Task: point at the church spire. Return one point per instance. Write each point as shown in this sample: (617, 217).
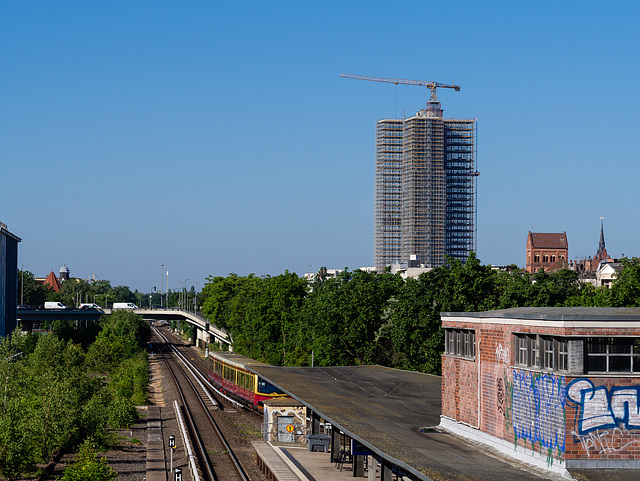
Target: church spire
(601, 248)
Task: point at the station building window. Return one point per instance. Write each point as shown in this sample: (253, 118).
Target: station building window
(546, 352)
(613, 354)
(460, 342)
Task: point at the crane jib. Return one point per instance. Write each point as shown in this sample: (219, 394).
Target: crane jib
(396, 81)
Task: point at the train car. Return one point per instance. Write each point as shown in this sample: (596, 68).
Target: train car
(230, 372)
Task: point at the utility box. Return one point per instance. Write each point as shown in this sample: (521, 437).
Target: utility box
(318, 442)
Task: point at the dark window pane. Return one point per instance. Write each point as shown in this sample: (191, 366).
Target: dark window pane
(597, 364)
(596, 345)
(620, 346)
(636, 363)
(619, 363)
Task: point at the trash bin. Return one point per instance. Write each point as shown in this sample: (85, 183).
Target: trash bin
(318, 442)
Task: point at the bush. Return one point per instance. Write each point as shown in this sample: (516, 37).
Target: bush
(131, 379)
(87, 466)
(122, 413)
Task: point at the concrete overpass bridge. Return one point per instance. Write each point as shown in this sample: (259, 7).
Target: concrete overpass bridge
(204, 331)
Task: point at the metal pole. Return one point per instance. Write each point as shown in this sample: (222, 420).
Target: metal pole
(195, 300)
(161, 283)
(184, 298)
(22, 288)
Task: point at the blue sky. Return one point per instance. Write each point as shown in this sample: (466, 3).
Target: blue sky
(216, 137)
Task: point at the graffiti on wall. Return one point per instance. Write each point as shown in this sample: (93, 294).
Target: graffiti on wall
(499, 374)
(602, 408)
(538, 408)
(603, 442)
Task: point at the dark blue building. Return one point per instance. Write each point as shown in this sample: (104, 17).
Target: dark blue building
(8, 280)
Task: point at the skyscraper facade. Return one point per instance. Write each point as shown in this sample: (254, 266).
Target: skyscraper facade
(8, 280)
(425, 202)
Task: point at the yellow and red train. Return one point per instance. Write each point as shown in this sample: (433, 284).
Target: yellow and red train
(230, 372)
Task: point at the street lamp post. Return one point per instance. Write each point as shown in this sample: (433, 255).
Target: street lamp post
(186, 304)
(161, 285)
(195, 300)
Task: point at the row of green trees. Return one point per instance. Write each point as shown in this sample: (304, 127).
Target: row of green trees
(77, 291)
(54, 394)
(367, 318)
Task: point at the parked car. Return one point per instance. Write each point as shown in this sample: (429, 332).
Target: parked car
(89, 306)
(54, 305)
(24, 306)
(124, 305)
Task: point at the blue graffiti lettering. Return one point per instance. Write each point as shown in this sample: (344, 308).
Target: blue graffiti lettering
(538, 408)
(599, 408)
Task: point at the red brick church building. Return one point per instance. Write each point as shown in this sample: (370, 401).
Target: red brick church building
(548, 251)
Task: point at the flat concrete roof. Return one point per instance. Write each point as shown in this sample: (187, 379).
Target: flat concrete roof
(596, 314)
(387, 410)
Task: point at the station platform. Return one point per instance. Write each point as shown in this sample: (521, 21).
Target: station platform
(296, 463)
(156, 470)
(396, 415)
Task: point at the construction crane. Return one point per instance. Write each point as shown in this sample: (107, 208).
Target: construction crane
(424, 83)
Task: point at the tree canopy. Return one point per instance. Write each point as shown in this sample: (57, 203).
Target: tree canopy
(363, 317)
(53, 395)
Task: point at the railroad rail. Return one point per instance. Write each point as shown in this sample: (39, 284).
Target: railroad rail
(197, 405)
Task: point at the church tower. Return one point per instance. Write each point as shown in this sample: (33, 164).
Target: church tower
(601, 255)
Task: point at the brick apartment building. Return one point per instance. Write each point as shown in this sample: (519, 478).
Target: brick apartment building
(548, 251)
(556, 387)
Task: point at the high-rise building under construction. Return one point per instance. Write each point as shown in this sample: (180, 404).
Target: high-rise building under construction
(425, 191)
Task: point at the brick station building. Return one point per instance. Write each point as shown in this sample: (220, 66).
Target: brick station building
(555, 387)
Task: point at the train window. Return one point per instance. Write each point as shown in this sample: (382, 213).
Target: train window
(242, 379)
(247, 382)
(265, 387)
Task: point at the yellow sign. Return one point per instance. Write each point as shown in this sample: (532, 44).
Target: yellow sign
(290, 428)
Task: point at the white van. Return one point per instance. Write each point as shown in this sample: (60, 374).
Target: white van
(54, 305)
(124, 305)
(89, 306)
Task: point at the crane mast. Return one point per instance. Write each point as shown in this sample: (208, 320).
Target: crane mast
(424, 83)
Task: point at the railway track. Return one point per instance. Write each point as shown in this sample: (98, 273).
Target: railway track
(213, 454)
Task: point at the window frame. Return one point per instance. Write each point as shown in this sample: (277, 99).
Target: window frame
(541, 352)
(460, 343)
(610, 353)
